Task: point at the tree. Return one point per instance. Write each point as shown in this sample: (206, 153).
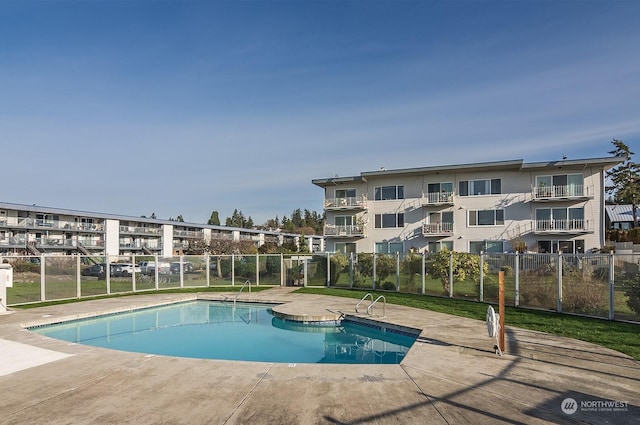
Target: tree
(214, 220)
(465, 266)
(625, 179)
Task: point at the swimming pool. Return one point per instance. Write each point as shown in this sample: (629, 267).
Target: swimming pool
(246, 331)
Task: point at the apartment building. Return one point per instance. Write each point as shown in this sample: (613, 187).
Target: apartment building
(505, 206)
(36, 230)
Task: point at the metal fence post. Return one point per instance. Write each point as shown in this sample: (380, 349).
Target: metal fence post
(397, 272)
(328, 270)
(516, 271)
(207, 273)
(451, 274)
(107, 272)
(612, 307)
(559, 277)
(374, 271)
(423, 273)
(79, 278)
(43, 279)
(481, 295)
(258, 270)
(133, 273)
(351, 270)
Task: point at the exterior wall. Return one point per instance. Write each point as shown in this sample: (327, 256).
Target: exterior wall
(112, 237)
(517, 199)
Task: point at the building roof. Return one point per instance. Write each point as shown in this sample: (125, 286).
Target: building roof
(515, 164)
(619, 213)
(62, 211)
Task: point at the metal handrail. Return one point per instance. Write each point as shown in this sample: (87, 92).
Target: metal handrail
(384, 306)
(364, 298)
(247, 282)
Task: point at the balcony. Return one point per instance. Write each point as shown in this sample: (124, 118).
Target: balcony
(437, 198)
(575, 192)
(132, 230)
(46, 224)
(562, 227)
(191, 234)
(343, 204)
(334, 231)
(437, 229)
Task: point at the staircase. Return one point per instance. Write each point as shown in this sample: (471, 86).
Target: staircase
(31, 247)
(146, 250)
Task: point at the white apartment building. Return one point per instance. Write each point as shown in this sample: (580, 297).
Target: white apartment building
(554, 206)
(36, 230)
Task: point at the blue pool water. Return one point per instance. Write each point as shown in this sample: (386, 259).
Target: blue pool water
(250, 332)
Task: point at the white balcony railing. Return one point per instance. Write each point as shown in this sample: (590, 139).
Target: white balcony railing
(437, 198)
(344, 231)
(563, 226)
(353, 202)
(437, 228)
(48, 224)
(563, 191)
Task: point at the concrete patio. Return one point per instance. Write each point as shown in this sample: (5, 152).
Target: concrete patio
(450, 376)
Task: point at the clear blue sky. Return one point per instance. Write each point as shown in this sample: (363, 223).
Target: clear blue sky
(185, 107)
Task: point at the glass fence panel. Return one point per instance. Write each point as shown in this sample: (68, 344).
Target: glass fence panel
(585, 286)
(93, 276)
(26, 280)
(363, 271)
(626, 293)
(220, 270)
(270, 266)
(538, 281)
(194, 270)
(317, 270)
(411, 273)
(339, 275)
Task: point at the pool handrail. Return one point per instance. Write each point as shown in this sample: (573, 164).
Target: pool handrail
(247, 282)
(364, 298)
(384, 306)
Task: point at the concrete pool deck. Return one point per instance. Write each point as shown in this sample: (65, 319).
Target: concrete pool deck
(450, 376)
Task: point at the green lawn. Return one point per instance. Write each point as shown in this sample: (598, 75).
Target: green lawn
(622, 337)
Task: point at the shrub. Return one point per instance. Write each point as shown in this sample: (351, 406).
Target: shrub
(389, 286)
(633, 292)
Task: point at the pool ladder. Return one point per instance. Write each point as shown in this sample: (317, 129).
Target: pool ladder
(373, 302)
(246, 283)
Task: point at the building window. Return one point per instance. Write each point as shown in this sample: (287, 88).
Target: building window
(385, 193)
(566, 247)
(439, 192)
(486, 218)
(477, 247)
(389, 247)
(439, 246)
(344, 220)
(480, 187)
(345, 247)
(560, 218)
(387, 221)
(559, 185)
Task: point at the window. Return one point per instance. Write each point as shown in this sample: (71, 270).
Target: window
(560, 185)
(385, 193)
(345, 193)
(566, 247)
(439, 246)
(385, 221)
(345, 247)
(389, 247)
(486, 218)
(559, 218)
(480, 187)
(344, 220)
(439, 192)
(486, 246)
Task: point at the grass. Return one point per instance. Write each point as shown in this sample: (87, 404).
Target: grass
(133, 294)
(619, 336)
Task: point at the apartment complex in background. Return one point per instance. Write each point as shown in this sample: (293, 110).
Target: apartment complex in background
(36, 230)
(505, 206)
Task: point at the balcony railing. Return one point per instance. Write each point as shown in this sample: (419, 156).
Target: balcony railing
(437, 198)
(188, 234)
(563, 226)
(437, 228)
(349, 203)
(562, 192)
(46, 224)
(140, 230)
(333, 230)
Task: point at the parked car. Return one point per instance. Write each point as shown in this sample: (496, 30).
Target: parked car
(124, 269)
(149, 267)
(99, 270)
(187, 267)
